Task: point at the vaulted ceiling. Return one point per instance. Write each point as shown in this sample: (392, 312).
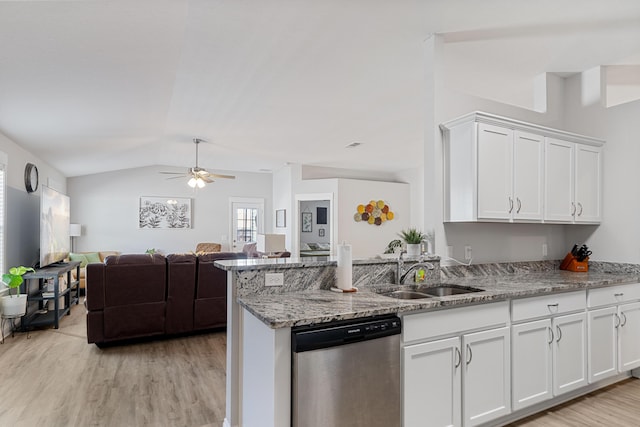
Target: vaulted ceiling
(93, 86)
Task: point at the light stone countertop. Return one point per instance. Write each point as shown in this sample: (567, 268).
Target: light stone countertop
(319, 306)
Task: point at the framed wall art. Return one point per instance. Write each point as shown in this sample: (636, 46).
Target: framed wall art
(281, 218)
(306, 222)
(164, 212)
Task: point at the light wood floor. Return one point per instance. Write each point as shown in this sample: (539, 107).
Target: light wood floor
(617, 405)
(54, 378)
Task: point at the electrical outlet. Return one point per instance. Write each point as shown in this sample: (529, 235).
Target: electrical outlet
(274, 279)
(450, 251)
(545, 249)
(467, 252)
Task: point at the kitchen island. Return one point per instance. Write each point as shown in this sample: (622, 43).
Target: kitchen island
(262, 386)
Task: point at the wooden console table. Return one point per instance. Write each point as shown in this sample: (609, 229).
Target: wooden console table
(71, 294)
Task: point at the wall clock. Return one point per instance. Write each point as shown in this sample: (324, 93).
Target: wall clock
(30, 177)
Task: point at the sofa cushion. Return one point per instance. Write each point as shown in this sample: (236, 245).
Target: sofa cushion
(92, 257)
(79, 257)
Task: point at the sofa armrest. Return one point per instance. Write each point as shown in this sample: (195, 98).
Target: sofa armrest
(94, 286)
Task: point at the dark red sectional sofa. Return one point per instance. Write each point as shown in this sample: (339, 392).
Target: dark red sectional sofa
(141, 295)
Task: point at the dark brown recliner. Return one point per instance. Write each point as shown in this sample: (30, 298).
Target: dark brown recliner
(210, 310)
(126, 297)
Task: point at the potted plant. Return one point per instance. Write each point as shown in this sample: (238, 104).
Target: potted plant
(14, 305)
(413, 238)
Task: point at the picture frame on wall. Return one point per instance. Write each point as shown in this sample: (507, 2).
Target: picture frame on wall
(164, 212)
(306, 222)
(281, 218)
(321, 215)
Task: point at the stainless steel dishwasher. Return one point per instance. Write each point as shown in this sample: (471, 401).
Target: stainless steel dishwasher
(347, 374)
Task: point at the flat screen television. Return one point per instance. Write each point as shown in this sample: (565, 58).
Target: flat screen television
(55, 216)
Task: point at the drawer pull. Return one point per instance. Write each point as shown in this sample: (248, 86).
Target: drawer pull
(550, 336)
(459, 358)
(470, 354)
(624, 316)
(553, 308)
(510, 205)
(617, 325)
(559, 333)
(618, 295)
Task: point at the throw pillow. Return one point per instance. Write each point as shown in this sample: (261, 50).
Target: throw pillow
(92, 257)
(79, 257)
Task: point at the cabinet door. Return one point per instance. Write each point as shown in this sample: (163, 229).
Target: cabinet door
(528, 158)
(559, 184)
(569, 353)
(495, 172)
(432, 384)
(588, 190)
(486, 382)
(531, 363)
(602, 349)
(629, 337)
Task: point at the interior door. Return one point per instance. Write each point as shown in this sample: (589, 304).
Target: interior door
(247, 221)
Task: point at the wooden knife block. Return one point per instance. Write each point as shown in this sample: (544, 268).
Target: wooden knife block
(570, 263)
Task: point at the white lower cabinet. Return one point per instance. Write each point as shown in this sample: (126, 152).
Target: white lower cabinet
(614, 340)
(432, 383)
(459, 380)
(486, 379)
(549, 358)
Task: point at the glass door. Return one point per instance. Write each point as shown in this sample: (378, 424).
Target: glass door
(247, 222)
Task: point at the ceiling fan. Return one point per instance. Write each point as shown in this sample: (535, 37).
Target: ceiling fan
(198, 176)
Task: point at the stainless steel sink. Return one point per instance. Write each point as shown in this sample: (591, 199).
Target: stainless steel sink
(448, 290)
(404, 294)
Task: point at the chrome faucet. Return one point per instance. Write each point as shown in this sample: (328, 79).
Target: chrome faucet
(402, 275)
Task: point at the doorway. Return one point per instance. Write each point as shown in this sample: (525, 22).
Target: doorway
(313, 226)
(247, 221)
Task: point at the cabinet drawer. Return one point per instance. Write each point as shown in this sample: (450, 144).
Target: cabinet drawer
(613, 295)
(547, 305)
(432, 324)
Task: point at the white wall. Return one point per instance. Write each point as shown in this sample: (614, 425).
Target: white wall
(489, 242)
(283, 199)
(369, 240)
(107, 207)
(617, 238)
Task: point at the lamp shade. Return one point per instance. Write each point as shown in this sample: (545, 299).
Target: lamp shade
(75, 230)
(270, 243)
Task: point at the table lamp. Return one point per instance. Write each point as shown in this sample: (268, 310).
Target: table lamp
(270, 243)
(75, 230)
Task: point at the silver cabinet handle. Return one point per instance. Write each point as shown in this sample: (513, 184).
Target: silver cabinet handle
(573, 209)
(550, 336)
(580, 206)
(559, 333)
(617, 325)
(551, 307)
(620, 294)
(624, 316)
(510, 204)
(459, 357)
(470, 354)
(519, 205)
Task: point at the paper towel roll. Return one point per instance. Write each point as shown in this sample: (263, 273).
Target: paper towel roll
(344, 270)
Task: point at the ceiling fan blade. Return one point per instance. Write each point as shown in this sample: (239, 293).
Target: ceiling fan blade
(173, 173)
(215, 175)
(178, 177)
(207, 180)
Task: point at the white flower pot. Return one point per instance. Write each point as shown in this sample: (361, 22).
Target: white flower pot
(14, 305)
(413, 249)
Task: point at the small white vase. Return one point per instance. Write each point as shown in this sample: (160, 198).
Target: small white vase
(13, 306)
(413, 249)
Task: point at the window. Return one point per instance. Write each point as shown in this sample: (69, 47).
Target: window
(247, 225)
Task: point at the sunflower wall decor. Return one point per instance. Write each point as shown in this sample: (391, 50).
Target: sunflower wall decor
(375, 213)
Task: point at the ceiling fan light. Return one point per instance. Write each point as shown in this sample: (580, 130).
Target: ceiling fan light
(192, 183)
(200, 182)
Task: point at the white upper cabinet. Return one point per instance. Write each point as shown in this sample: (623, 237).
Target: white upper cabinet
(503, 170)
